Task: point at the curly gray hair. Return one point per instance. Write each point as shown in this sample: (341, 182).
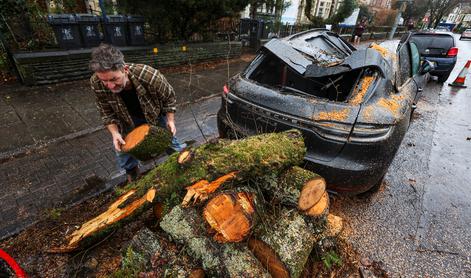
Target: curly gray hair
(106, 58)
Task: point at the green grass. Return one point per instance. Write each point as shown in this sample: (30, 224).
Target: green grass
(330, 259)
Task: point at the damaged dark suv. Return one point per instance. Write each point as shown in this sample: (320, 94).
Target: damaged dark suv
(352, 106)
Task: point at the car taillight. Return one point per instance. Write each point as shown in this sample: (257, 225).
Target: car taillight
(225, 90)
(452, 52)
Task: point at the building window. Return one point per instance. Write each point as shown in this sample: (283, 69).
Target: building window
(322, 4)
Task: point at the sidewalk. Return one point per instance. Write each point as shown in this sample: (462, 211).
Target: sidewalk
(55, 152)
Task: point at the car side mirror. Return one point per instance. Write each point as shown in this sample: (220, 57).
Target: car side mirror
(426, 66)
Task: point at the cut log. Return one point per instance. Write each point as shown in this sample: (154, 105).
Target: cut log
(185, 157)
(311, 193)
(148, 255)
(268, 258)
(136, 256)
(290, 236)
(230, 215)
(249, 157)
(295, 187)
(147, 141)
(321, 209)
(187, 226)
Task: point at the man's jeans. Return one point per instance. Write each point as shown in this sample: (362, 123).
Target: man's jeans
(128, 162)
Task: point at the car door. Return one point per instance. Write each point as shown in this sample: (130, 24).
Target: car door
(405, 82)
(416, 62)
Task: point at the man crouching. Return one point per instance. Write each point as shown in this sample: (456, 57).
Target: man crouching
(129, 95)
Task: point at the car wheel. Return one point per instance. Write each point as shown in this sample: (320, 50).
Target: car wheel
(444, 77)
(375, 188)
(461, 38)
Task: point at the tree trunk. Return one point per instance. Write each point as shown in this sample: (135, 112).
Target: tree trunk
(146, 141)
(296, 187)
(268, 258)
(221, 260)
(291, 238)
(250, 157)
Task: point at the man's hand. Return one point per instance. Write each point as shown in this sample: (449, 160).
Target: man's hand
(117, 141)
(171, 123)
(117, 138)
(172, 128)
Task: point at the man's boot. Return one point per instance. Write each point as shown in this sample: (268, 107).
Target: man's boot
(132, 174)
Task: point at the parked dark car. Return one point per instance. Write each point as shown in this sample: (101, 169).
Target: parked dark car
(352, 106)
(440, 49)
(466, 34)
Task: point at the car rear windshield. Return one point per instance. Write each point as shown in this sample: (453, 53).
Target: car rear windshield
(273, 72)
(433, 44)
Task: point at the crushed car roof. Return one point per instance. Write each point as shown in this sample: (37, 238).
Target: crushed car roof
(319, 52)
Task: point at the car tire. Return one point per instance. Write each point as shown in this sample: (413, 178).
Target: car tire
(461, 38)
(444, 77)
(375, 188)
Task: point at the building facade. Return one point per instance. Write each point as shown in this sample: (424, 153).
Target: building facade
(320, 8)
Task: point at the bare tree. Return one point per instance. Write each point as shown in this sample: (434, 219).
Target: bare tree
(439, 8)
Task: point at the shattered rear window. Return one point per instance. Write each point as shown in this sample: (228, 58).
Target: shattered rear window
(322, 49)
(273, 72)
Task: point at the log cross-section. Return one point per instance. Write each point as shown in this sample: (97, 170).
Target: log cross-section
(147, 141)
(230, 215)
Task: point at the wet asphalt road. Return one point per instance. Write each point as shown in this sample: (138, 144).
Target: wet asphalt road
(419, 223)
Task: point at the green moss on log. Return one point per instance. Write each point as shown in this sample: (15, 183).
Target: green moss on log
(221, 260)
(252, 156)
(290, 237)
(286, 187)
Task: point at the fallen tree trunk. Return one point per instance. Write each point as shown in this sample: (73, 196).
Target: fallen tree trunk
(295, 187)
(147, 141)
(221, 260)
(268, 258)
(290, 237)
(253, 156)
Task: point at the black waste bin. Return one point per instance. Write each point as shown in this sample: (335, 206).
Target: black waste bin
(89, 30)
(66, 30)
(136, 30)
(115, 30)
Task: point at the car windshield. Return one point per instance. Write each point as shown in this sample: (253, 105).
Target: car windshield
(467, 30)
(433, 44)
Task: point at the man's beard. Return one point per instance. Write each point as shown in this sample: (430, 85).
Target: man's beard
(119, 89)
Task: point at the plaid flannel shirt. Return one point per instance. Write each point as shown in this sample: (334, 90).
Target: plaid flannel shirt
(155, 95)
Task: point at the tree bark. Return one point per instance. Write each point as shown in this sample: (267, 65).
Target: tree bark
(221, 260)
(295, 187)
(288, 234)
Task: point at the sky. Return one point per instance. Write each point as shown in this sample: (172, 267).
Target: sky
(290, 14)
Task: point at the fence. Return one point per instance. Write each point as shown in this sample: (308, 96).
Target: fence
(23, 34)
(290, 29)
